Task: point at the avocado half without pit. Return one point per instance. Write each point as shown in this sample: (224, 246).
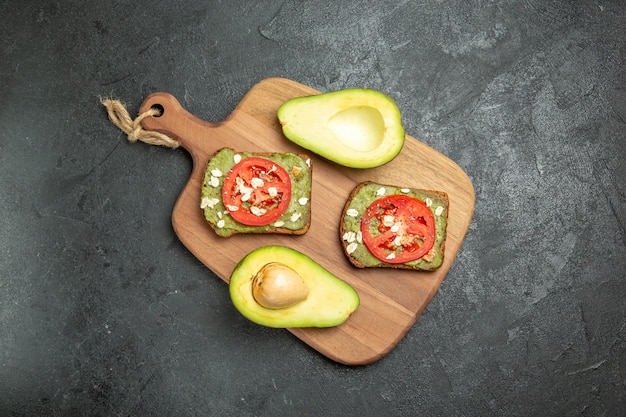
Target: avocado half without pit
(358, 127)
(275, 286)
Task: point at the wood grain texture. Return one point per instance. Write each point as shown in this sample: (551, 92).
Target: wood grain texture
(391, 300)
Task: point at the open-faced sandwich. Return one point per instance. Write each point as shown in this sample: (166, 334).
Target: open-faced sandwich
(246, 192)
(394, 227)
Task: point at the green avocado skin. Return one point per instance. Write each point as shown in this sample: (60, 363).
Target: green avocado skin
(369, 192)
(330, 302)
(295, 219)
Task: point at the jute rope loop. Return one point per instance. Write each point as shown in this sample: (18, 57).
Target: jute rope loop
(120, 117)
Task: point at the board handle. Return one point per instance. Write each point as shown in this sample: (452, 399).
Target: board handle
(174, 121)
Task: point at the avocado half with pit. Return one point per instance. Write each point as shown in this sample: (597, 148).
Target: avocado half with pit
(357, 127)
(276, 286)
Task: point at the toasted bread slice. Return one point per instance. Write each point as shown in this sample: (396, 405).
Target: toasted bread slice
(365, 194)
(295, 220)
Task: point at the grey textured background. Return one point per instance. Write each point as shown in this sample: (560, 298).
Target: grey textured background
(104, 312)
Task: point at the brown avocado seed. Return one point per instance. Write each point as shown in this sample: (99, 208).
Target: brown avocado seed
(277, 286)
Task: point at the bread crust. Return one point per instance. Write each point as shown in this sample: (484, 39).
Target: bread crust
(443, 196)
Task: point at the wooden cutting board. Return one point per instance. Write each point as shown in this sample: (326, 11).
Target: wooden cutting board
(391, 300)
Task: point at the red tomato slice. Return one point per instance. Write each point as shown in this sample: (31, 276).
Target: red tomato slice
(398, 229)
(256, 191)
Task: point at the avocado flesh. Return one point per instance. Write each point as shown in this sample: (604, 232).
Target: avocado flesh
(358, 128)
(330, 301)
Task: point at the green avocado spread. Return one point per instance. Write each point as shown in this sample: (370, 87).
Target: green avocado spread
(295, 219)
(368, 193)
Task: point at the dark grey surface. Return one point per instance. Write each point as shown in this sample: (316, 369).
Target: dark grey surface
(104, 312)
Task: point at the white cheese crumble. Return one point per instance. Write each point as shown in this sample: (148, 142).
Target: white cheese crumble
(256, 182)
(214, 181)
(257, 211)
(381, 191)
(428, 202)
(279, 223)
(349, 237)
(272, 191)
(243, 189)
(391, 256)
(232, 208)
(388, 220)
(359, 236)
(352, 247)
(221, 223)
(394, 228)
(237, 158)
(439, 211)
(208, 202)
(405, 190)
(240, 183)
(302, 201)
(352, 212)
(216, 173)
(295, 217)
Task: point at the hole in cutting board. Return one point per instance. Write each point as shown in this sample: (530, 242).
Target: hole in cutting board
(158, 107)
